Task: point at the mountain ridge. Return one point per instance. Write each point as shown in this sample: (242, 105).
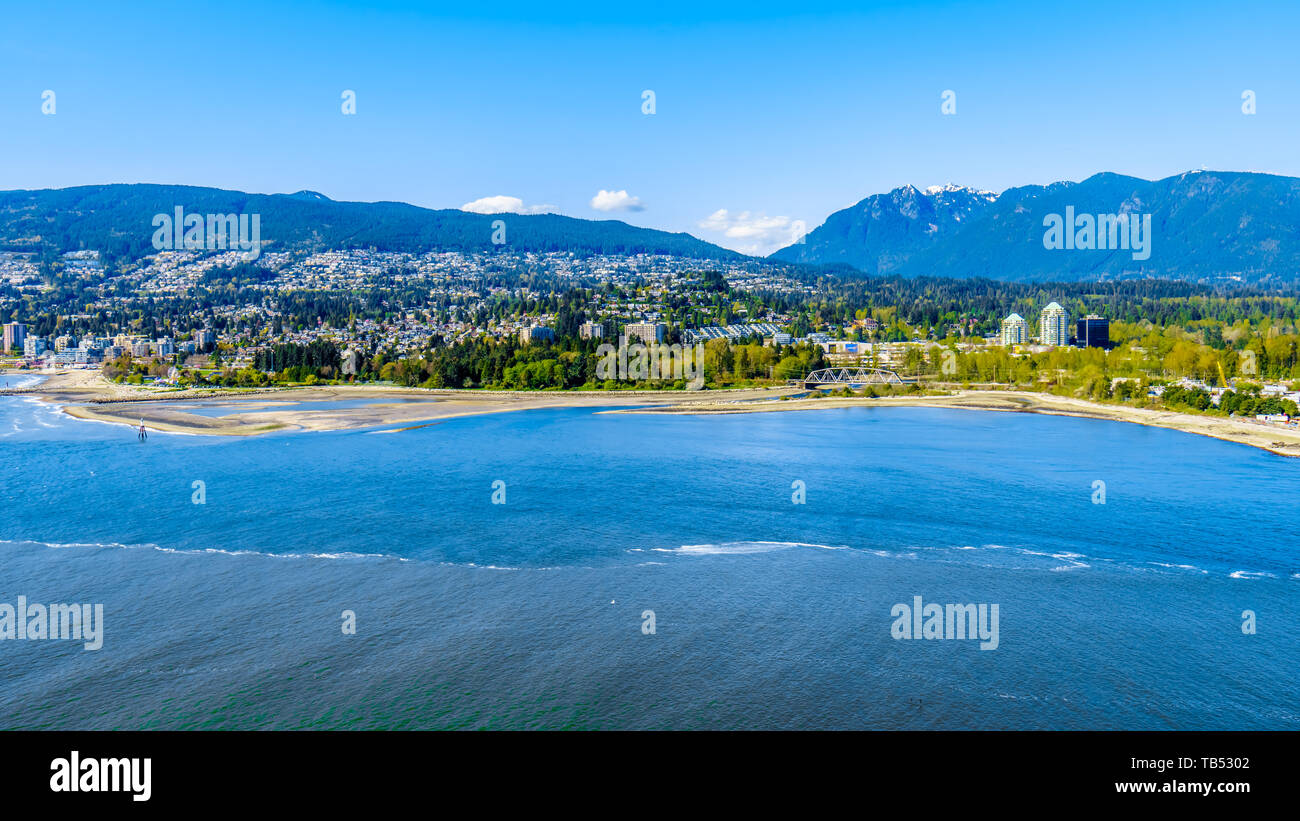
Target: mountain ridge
(116, 219)
(1207, 225)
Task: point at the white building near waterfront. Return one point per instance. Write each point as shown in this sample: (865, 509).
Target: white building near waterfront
(1054, 325)
(1015, 331)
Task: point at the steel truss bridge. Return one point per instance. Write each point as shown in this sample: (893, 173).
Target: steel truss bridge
(852, 376)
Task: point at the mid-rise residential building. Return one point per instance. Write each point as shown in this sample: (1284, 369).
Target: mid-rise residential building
(536, 333)
(14, 335)
(732, 333)
(591, 330)
(1015, 331)
(647, 332)
(1054, 325)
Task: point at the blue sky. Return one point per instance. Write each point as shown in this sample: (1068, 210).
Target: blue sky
(767, 112)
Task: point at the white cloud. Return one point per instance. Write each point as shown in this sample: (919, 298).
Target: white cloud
(616, 201)
(505, 205)
(753, 232)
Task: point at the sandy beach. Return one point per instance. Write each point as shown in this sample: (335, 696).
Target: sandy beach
(386, 409)
(236, 412)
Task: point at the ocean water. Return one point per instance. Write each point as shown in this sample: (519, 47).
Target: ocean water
(767, 613)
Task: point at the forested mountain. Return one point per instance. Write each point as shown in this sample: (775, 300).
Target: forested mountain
(1210, 227)
(1205, 226)
(117, 221)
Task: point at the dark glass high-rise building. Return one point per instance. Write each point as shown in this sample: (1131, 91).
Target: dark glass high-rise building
(1092, 331)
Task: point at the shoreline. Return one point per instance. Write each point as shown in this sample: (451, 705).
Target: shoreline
(1280, 441)
(87, 395)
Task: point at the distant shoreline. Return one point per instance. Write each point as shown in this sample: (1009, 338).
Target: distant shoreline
(1282, 441)
(87, 395)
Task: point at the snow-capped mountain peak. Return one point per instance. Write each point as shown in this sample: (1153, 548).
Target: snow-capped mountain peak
(950, 188)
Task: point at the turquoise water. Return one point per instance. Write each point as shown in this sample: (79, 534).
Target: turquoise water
(768, 614)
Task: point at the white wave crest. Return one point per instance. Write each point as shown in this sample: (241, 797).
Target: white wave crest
(741, 548)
